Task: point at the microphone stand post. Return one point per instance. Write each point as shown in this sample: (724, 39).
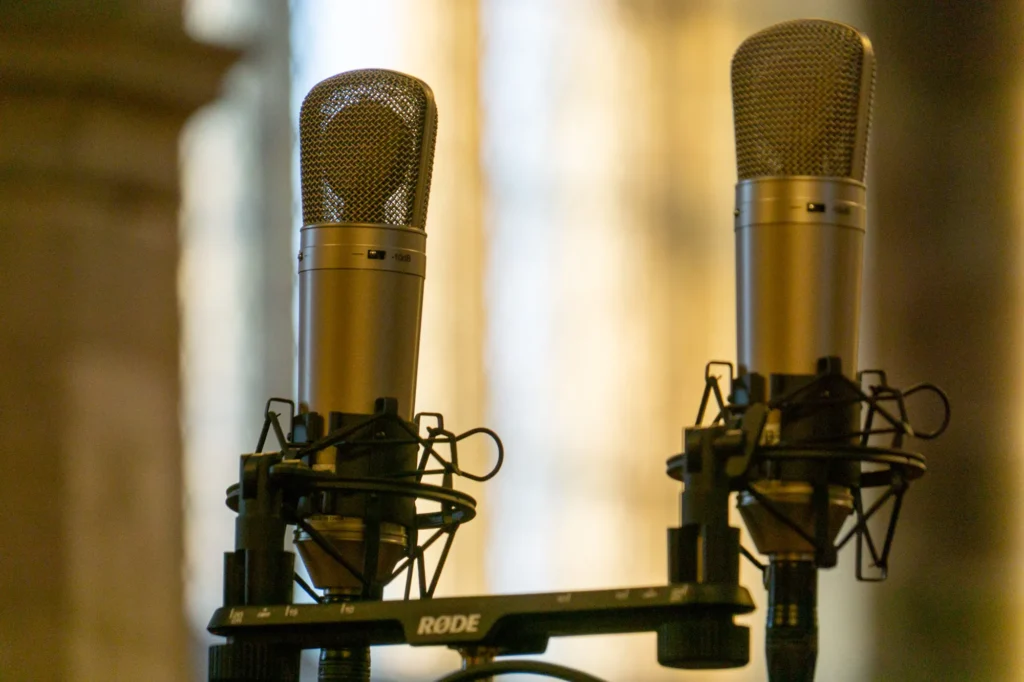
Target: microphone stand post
(258, 573)
(705, 549)
(473, 656)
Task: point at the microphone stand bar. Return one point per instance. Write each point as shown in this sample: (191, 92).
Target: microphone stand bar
(505, 624)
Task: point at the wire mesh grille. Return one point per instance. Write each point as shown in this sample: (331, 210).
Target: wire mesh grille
(797, 101)
(366, 142)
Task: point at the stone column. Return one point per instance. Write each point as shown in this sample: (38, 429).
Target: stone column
(91, 104)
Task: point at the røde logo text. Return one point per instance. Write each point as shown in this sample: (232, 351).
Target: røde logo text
(449, 624)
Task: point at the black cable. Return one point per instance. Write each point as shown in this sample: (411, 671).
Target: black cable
(484, 670)
(448, 438)
(306, 587)
(947, 414)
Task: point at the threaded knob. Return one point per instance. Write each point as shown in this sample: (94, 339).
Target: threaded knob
(704, 642)
(253, 662)
(351, 664)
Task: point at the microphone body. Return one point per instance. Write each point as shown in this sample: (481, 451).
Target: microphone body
(360, 302)
(802, 95)
(799, 257)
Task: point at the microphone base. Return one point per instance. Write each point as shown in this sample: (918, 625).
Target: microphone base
(792, 659)
(791, 636)
(351, 664)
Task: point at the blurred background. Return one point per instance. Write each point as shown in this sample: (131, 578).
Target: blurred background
(581, 276)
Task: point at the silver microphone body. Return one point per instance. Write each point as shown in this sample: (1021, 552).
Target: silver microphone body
(360, 304)
(799, 257)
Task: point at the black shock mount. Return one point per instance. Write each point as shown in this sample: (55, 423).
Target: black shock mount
(816, 435)
(693, 614)
(809, 464)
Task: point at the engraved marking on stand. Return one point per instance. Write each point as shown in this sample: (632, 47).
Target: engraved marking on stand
(449, 624)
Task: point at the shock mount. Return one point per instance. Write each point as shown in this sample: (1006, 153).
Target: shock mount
(784, 450)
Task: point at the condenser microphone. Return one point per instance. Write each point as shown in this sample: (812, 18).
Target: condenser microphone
(366, 149)
(802, 94)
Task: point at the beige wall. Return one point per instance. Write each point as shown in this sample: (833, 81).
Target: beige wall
(945, 305)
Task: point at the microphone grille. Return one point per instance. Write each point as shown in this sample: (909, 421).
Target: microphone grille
(366, 145)
(802, 94)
